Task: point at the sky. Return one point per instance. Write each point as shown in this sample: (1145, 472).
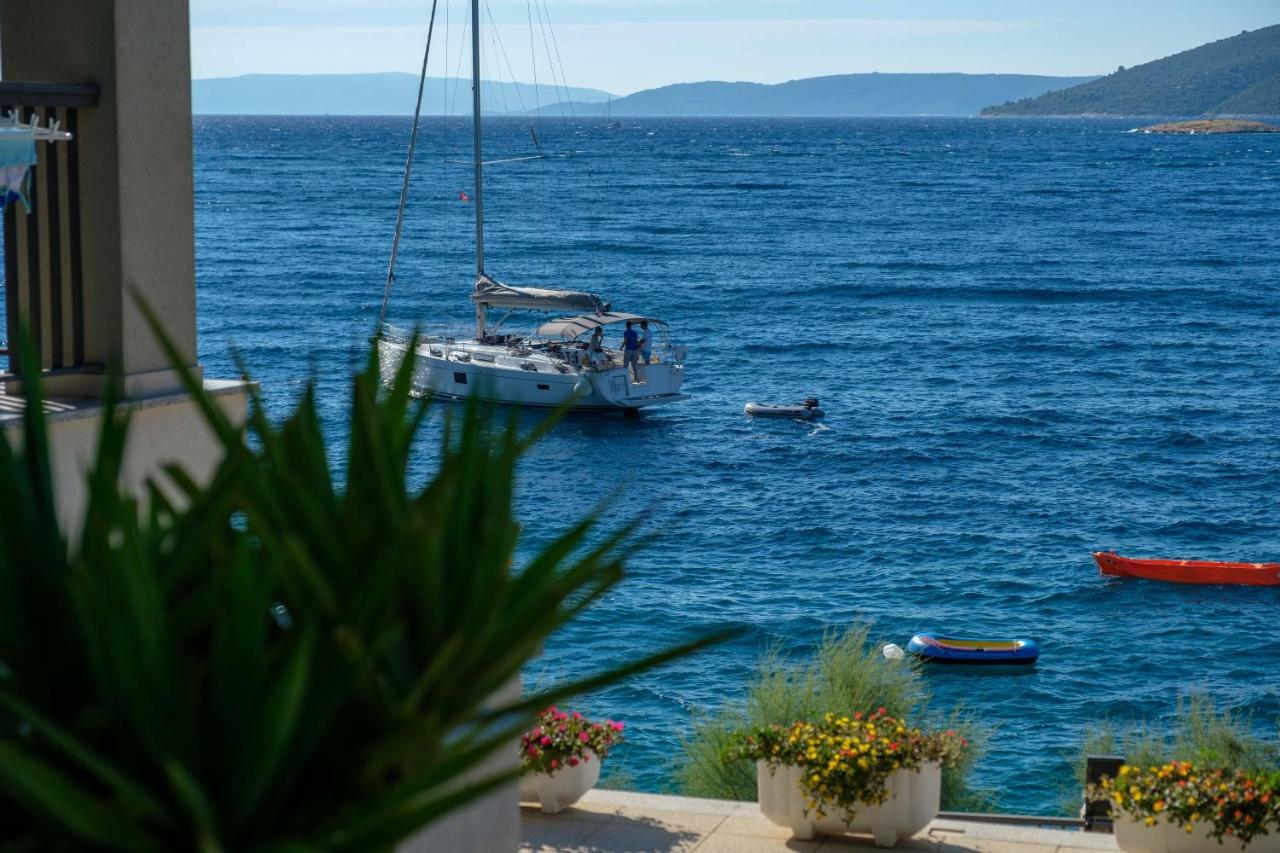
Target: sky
(623, 46)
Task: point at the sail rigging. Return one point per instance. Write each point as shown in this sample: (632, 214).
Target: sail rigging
(477, 151)
(408, 170)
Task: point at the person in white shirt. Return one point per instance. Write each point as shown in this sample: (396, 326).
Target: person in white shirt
(595, 349)
(646, 346)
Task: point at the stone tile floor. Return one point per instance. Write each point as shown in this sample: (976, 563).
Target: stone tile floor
(624, 822)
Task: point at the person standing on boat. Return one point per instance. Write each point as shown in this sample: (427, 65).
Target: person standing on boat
(646, 348)
(631, 352)
(646, 342)
(595, 350)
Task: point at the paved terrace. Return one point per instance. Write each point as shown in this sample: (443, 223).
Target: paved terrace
(624, 822)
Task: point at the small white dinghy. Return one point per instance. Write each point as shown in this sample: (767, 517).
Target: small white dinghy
(807, 410)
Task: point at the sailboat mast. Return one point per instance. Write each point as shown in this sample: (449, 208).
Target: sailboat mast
(478, 196)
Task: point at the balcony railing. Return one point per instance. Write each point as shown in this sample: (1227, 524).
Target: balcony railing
(43, 275)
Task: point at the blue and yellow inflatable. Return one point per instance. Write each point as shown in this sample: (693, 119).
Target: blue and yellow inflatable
(955, 650)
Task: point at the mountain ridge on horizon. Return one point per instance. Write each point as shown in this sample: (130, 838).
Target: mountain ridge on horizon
(870, 93)
(373, 93)
(393, 93)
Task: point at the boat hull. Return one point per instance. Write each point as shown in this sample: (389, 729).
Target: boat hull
(1188, 571)
(935, 648)
(459, 373)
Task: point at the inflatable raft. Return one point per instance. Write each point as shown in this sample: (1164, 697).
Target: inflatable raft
(935, 648)
(1188, 571)
(808, 410)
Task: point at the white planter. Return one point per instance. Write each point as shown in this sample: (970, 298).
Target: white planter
(1136, 837)
(914, 798)
(556, 791)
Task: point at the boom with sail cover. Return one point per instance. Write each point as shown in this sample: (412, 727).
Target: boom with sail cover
(490, 293)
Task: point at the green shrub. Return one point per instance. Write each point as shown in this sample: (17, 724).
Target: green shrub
(847, 674)
(1199, 732)
(275, 661)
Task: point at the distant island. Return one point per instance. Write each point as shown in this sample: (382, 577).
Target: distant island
(840, 95)
(391, 93)
(1211, 125)
(1237, 76)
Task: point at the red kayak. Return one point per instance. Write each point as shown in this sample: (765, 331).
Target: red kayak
(1189, 571)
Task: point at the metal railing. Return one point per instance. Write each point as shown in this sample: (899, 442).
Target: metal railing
(43, 274)
(1095, 815)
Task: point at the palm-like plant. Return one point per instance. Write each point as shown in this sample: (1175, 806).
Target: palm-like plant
(272, 661)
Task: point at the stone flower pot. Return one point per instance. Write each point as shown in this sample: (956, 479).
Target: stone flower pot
(1134, 836)
(556, 791)
(914, 797)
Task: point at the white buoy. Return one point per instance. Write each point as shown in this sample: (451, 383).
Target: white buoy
(583, 387)
(893, 651)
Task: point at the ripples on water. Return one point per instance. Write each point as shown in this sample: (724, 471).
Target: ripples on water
(1033, 339)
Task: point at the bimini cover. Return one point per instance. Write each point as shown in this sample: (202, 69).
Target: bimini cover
(499, 295)
(568, 328)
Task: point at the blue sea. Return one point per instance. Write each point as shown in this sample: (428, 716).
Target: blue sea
(1033, 338)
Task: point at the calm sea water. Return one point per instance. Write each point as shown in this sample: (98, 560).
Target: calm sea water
(1034, 339)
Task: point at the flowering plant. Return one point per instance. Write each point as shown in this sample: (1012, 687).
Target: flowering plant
(847, 760)
(1236, 803)
(560, 738)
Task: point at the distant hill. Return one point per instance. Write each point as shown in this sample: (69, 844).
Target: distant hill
(367, 94)
(1235, 76)
(839, 95)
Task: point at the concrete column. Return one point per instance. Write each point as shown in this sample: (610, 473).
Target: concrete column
(137, 201)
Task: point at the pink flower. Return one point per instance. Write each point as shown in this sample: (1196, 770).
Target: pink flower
(617, 727)
(577, 716)
(584, 737)
(533, 751)
(554, 764)
(573, 762)
(546, 741)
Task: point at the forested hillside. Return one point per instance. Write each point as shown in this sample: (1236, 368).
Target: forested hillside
(1235, 76)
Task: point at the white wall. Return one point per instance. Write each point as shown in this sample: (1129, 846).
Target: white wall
(163, 430)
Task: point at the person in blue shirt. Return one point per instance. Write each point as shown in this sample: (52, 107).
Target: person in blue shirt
(631, 352)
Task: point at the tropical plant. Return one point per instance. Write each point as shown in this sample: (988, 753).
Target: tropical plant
(561, 739)
(846, 675)
(847, 760)
(1233, 804)
(274, 660)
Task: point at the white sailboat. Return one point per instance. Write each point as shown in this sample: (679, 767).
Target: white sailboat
(557, 362)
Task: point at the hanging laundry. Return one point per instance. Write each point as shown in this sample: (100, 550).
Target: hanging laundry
(17, 156)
